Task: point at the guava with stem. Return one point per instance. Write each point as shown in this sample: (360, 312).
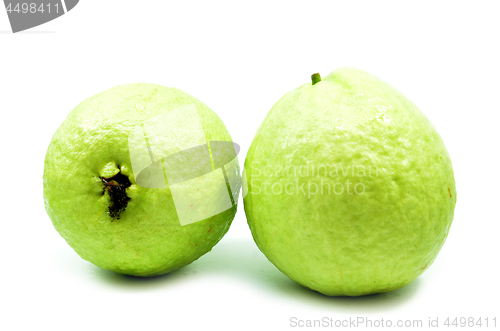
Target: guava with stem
(350, 189)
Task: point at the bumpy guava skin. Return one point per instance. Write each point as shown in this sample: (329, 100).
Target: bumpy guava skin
(350, 188)
(93, 199)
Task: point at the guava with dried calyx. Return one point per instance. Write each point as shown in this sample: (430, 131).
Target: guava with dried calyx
(349, 188)
(121, 186)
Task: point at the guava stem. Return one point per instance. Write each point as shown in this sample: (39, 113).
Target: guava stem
(316, 78)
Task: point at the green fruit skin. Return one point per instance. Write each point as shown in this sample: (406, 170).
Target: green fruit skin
(91, 143)
(349, 244)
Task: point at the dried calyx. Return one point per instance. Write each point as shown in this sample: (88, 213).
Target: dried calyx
(116, 187)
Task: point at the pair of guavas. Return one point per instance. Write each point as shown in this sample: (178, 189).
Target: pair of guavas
(348, 188)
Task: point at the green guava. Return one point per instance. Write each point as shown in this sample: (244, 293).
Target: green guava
(349, 188)
(112, 194)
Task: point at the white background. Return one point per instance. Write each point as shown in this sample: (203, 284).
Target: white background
(239, 58)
